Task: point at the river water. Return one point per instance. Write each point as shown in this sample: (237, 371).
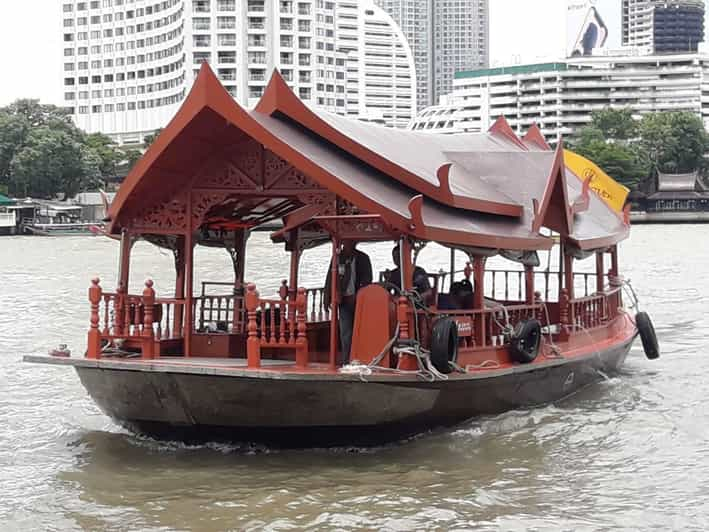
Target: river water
(629, 453)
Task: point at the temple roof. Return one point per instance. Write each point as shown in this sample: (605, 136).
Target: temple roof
(489, 190)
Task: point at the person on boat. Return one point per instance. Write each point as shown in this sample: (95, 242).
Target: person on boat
(354, 271)
(421, 283)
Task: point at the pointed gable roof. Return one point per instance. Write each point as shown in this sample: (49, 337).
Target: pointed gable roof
(553, 210)
(534, 138)
(413, 160)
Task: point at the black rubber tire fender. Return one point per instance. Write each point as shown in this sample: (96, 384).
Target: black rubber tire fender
(647, 335)
(525, 340)
(444, 344)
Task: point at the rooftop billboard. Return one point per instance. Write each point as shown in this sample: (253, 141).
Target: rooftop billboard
(592, 26)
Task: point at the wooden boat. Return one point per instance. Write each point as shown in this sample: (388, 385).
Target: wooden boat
(236, 365)
(54, 219)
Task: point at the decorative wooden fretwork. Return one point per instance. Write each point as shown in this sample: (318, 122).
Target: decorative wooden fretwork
(249, 160)
(345, 208)
(226, 175)
(274, 168)
(203, 201)
(167, 216)
(318, 198)
(293, 180)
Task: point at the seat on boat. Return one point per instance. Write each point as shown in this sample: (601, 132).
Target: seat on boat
(460, 296)
(373, 324)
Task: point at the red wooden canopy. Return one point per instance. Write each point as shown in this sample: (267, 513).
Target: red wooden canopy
(217, 164)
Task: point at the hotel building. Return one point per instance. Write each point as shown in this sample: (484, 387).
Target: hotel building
(128, 64)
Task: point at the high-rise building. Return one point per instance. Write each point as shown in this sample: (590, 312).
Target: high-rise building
(128, 64)
(663, 26)
(445, 36)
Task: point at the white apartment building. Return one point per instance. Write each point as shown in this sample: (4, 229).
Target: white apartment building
(560, 97)
(128, 64)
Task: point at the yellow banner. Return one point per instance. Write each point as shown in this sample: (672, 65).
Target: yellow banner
(609, 190)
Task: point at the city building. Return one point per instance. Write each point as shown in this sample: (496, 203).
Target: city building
(128, 64)
(560, 96)
(445, 36)
(663, 26)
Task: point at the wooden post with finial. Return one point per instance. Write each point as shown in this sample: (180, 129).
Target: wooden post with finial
(93, 349)
(148, 307)
(253, 344)
(301, 343)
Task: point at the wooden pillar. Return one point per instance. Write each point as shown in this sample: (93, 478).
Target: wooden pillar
(452, 277)
(120, 306)
(253, 343)
(614, 281)
(569, 275)
(614, 261)
(529, 284)
(479, 299)
(478, 282)
(238, 257)
(179, 256)
(561, 268)
(124, 260)
(294, 262)
(189, 280)
(407, 266)
(93, 348)
(334, 300)
(148, 344)
(599, 272)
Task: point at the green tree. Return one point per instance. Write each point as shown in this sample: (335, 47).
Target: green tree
(149, 139)
(615, 124)
(42, 152)
(50, 162)
(108, 153)
(675, 142)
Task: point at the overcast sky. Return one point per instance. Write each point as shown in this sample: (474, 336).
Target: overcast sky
(521, 31)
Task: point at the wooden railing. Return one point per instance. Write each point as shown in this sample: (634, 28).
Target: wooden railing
(484, 328)
(228, 311)
(510, 284)
(317, 311)
(276, 323)
(595, 310)
(120, 316)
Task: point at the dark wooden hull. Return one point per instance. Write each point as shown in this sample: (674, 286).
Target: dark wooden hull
(326, 411)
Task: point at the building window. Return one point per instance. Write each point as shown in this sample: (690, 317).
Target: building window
(200, 6)
(226, 5)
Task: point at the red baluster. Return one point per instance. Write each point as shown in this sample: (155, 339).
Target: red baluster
(148, 306)
(264, 333)
(253, 346)
(301, 344)
(273, 313)
(282, 325)
(94, 337)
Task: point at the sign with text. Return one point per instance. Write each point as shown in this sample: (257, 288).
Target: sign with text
(605, 187)
(592, 26)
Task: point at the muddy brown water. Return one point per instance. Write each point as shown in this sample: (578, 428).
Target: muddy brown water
(629, 453)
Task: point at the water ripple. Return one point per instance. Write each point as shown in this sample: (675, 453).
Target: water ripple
(629, 453)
